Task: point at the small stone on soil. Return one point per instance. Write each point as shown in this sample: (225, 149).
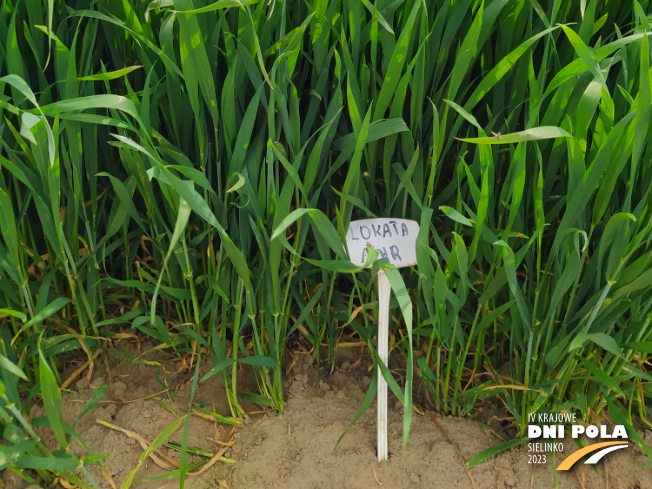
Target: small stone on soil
(111, 409)
(510, 481)
(324, 386)
(266, 421)
(37, 412)
(96, 383)
(345, 366)
(119, 388)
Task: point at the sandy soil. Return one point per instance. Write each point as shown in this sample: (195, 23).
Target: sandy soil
(295, 449)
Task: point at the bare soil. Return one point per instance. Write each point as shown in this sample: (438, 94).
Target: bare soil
(296, 449)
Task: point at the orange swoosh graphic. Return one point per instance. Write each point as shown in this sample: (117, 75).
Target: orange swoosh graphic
(570, 461)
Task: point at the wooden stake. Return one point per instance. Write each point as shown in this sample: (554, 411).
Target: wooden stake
(384, 291)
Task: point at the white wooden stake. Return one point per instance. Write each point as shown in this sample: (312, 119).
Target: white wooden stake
(384, 291)
(395, 239)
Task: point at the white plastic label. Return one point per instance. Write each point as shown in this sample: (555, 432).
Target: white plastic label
(394, 238)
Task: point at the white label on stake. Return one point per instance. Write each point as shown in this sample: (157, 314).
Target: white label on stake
(393, 238)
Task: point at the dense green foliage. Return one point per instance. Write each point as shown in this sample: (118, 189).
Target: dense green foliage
(199, 171)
